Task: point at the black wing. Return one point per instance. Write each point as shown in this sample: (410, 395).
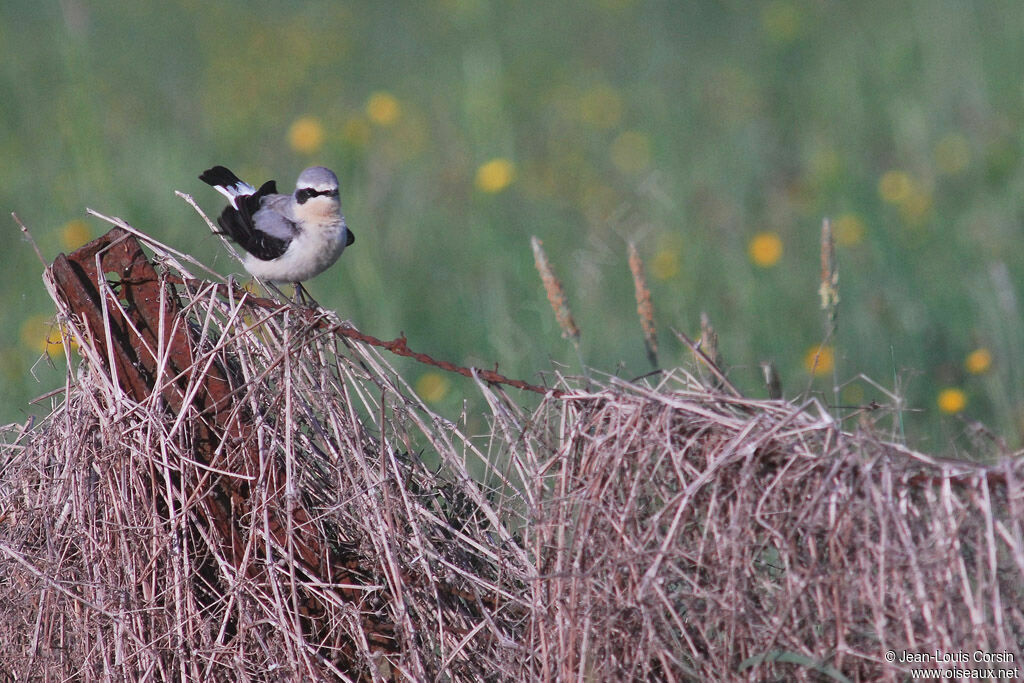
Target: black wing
(238, 224)
(350, 237)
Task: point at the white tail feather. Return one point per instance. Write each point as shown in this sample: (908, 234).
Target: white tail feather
(239, 189)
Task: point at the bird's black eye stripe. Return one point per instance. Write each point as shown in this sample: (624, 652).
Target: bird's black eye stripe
(305, 193)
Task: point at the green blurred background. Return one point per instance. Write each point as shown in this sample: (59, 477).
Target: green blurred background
(714, 135)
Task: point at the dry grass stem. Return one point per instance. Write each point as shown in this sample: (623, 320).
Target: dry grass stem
(28, 236)
(556, 295)
(772, 380)
(708, 343)
(644, 308)
(718, 378)
(709, 340)
(829, 288)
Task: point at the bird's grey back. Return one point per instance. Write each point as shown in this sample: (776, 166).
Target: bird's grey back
(275, 218)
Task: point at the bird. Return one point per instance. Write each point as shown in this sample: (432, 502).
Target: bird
(286, 237)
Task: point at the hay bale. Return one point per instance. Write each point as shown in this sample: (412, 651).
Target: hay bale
(233, 488)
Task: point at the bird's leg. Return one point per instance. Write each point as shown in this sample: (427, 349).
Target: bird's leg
(303, 297)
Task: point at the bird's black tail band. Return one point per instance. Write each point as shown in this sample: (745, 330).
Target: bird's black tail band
(220, 175)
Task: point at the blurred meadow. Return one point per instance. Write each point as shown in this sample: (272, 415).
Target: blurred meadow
(715, 136)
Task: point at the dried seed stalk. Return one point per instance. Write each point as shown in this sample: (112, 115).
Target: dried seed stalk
(556, 295)
(644, 308)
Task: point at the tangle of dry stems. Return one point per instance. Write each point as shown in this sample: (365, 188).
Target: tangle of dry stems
(224, 491)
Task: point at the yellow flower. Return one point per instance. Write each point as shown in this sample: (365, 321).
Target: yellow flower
(952, 153)
(665, 264)
(765, 249)
(849, 230)
(895, 186)
(41, 334)
(74, 234)
(601, 106)
(495, 175)
(306, 135)
(432, 386)
(631, 152)
(383, 108)
(978, 361)
(820, 360)
(952, 400)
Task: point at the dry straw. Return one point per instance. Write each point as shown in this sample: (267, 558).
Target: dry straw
(231, 488)
(709, 340)
(556, 295)
(829, 287)
(644, 307)
(828, 290)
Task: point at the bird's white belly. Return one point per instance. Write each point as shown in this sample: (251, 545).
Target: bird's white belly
(314, 250)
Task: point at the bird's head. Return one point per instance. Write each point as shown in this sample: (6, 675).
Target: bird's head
(316, 194)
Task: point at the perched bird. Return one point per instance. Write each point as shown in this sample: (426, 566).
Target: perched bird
(287, 237)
